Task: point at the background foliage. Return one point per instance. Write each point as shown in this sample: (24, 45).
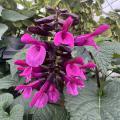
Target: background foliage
(89, 104)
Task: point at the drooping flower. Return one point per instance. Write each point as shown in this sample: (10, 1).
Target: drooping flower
(27, 89)
(76, 67)
(40, 99)
(36, 53)
(27, 71)
(49, 66)
(63, 36)
(72, 85)
(88, 39)
(53, 94)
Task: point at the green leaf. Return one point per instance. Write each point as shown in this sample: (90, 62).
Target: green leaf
(89, 106)
(12, 15)
(5, 100)
(20, 55)
(1, 8)
(7, 82)
(104, 56)
(51, 112)
(3, 29)
(16, 112)
(12, 79)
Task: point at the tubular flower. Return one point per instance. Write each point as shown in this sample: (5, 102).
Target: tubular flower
(27, 71)
(64, 37)
(27, 89)
(76, 67)
(72, 85)
(37, 50)
(88, 39)
(53, 94)
(49, 67)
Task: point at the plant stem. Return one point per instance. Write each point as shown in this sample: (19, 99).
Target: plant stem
(97, 77)
(97, 72)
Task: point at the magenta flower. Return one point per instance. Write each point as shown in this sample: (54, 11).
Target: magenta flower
(27, 89)
(76, 67)
(27, 71)
(53, 94)
(65, 37)
(36, 53)
(72, 85)
(40, 99)
(88, 39)
(49, 67)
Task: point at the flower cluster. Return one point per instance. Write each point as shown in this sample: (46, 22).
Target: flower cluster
(49, 66)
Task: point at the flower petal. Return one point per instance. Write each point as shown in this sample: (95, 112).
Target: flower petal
(53, 94)
(82, 75)
(41, 101)
(91, 42)
(72, 88)
(27, 73)
(100, 29)
(27, 92)
(20, 87)
(81, 39)
(34, 99)
(72, 70)
(67, 40)
(21, 62)
(78, 60)
(67, 23)
(89, 65)
(35, 55)
(27, 39)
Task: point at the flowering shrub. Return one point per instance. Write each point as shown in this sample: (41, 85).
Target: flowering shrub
(49, 67)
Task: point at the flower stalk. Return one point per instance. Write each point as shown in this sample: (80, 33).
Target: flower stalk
(49, 66)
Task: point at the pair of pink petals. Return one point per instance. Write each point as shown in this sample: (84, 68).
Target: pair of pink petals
(65, 37)
(35, 55)
(76, 67)
(27, 89)
(73, 84)
(42, 97)
(88, 39)
(27, 71)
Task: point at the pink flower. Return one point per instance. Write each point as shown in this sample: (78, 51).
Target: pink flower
(40, 99)
(65, 37)
(27, 71)
(88, 39)
(27, 89)
(76, 67)
(72, 85)
(36, 53)
(53, 94)
(102, 28)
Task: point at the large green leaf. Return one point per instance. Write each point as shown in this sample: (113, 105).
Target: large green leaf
(7, 82)
(103, 57)
(12, 15)
(16, 113)
(89, 106)
(1, 8)
(3, 29)
(50, 112)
